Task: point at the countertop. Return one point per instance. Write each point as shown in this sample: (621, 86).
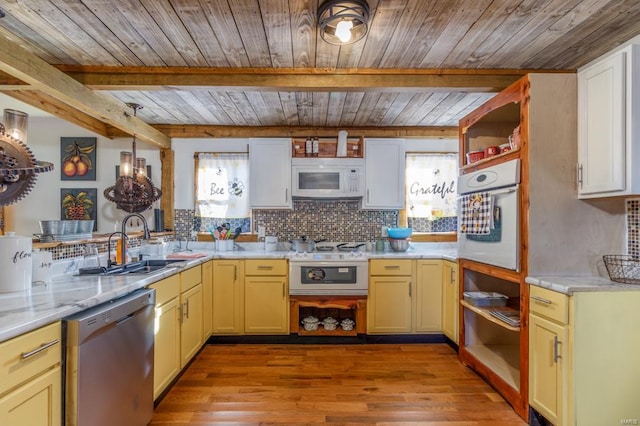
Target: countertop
(21, 312)
(575, 284)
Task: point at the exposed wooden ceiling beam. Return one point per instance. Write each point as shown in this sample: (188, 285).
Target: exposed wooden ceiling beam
(59, 109)
(9, 82)
(23, 65)
(197, 131)
(293, 79)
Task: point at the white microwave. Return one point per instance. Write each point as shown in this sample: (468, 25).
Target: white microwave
(327, 177)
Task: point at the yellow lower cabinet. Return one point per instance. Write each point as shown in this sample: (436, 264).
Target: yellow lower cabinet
(450, 300)
(547, 353)
(266, 297)
(389, 305)
(583, 357)
(31, 378)
(228, 297)
(166, 355)
(428, 296)
(191, 325)
(36, 403)
(391, 292)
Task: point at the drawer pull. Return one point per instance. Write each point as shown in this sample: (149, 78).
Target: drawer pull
(42, 347)
(542, 300)
(265, 268)
(390, 267)
(556, 355)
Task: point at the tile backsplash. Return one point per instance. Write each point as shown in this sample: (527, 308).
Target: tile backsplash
(334, 220)
(633, 227)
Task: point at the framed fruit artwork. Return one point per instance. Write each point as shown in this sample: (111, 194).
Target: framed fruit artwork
(79, 204)
(78, 158)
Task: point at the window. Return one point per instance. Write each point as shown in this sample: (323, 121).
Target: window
(431, 192)
(222, 190)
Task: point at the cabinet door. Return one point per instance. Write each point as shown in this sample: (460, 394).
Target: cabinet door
(429, 296)
(384, 174)
(207, 299)
(548, 350)
(166, 353)
(389, 305)
(601, 129)
(38, 402)
(450, 300)
(266, 305)
(270, 173)
(191, 327)
(228, 297)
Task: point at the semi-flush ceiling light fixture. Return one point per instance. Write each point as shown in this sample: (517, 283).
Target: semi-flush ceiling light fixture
(343, 21)
(133, 192)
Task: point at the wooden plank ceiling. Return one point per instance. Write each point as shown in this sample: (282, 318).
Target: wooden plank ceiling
(258, 67)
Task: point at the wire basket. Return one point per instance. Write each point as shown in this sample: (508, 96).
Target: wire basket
(622, 269)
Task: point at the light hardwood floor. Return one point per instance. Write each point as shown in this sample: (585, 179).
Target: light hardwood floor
(332, 384)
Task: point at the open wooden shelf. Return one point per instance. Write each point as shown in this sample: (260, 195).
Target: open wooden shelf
(503, 360)
(514, 153)
(322, 332)
(339, 307)
(484, 312)
(328, 147)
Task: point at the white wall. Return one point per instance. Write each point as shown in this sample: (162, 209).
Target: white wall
(43, 202)
(186, 148)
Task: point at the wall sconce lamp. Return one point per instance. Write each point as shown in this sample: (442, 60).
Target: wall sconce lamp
(15, 124)
(343, 21)
(133, 192)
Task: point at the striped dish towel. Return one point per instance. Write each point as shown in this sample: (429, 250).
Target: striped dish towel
(475, 214)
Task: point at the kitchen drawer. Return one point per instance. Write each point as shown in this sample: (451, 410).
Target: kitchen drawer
(263, 267)
(390, 267)
(549, 304)
(28, 355)
(166, 289)
(190, 278)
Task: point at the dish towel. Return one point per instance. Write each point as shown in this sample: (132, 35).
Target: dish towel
(475, 214)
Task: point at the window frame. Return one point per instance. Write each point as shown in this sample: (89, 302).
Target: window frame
(404, 221)
(250, 236)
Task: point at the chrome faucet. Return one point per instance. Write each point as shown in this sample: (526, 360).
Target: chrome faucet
(123, 243)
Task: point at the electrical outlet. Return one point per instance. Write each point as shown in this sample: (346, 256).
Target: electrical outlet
(383, 231)
(261, 231)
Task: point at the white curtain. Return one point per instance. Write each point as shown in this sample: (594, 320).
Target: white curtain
(222, 185)
(431, 185)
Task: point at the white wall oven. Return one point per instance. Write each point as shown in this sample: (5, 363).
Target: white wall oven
(328, 274)
(489, 215)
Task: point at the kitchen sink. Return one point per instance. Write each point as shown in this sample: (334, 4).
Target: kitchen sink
(133, 268)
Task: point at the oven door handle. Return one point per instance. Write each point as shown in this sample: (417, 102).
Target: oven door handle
(493, 192)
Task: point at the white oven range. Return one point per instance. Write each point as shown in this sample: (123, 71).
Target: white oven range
(328, 274)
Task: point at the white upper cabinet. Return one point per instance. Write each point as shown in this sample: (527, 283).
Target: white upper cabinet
(608, 120)
(384, 174)
(270, 173)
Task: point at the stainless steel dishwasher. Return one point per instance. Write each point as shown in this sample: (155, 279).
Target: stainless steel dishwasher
(109, 363)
